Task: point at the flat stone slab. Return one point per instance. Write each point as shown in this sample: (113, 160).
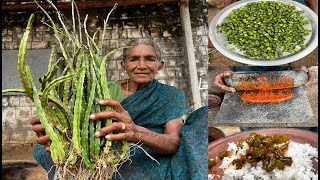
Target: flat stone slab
(299, 77)
(234, 111)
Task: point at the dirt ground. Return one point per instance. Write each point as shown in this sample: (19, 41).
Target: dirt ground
(18, 163)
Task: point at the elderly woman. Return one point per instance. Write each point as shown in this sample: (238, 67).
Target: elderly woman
(150, 113)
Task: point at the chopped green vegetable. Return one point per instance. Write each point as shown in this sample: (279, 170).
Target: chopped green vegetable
(266, 29)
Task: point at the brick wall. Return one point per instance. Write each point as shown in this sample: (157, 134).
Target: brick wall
(160, 22)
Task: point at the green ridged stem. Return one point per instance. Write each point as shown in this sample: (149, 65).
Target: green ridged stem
(77, 114)
(22, 55)
(57, 146)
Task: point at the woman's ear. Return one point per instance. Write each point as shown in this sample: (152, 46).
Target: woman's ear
(123, 65)
(161, 65)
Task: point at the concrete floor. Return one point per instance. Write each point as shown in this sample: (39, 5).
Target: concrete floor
(18, 163)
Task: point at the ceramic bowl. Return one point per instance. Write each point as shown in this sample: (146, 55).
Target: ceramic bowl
(296, 135)
(219, 39)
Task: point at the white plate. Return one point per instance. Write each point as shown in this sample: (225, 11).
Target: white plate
(219, 39)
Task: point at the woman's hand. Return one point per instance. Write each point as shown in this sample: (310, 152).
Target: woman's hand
(310, 73)
(218, 80)
(218, 2)
(165, 144)
(38, 128)
(313, 4)
(124, 125)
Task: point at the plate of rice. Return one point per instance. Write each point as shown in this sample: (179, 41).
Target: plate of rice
(293, 152)
(265, 32)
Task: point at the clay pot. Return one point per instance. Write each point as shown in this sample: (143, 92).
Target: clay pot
(214, 134)
(213, 101)
(296, 135)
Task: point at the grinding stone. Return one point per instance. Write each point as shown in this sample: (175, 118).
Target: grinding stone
(299, 77)
(235, 111)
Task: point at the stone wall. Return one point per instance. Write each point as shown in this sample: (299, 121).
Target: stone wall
(160, 22)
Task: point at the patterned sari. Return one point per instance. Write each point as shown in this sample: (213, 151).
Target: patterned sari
(152, 107)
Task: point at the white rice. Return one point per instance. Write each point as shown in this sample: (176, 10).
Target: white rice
(300, 169)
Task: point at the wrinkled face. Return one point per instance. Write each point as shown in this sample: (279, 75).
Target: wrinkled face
(141, 64)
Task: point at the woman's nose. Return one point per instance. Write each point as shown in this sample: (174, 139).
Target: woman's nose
(142, 63)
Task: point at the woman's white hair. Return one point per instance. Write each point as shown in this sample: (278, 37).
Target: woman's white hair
(146, 41)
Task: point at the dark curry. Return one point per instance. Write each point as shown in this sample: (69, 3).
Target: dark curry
(268, 149)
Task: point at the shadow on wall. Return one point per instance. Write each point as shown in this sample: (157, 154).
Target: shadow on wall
(19, 131)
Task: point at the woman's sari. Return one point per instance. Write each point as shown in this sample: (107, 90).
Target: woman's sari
(151, 107)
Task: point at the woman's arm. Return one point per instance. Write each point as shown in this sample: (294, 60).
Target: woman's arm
(165, 144)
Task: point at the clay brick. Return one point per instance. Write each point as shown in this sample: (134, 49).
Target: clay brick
(33, 111)
(5, 138)
(204, 40)
(5, 101)
(117, 55)
(36, 36)
(13, 100)
(10, 45)
(115, 34)
(113, 44)
(134, 33)
(119, 63)
(31, 137)
(8, 112)
(170, 41)
(162, 74)
(42, 27)
(46, 36)
(123, 75)
(169, 62)
(173, 82)
(4, 27)
(117, 24)
(157, 22)
(123, 33)
(183, 84)
(202, 31)
(114, 75)
(29, 44)
(25, 101)
(172, 51)
(112, 65)
(166, 34)
(23, 112)
(10, 124)
(130, 24)
(40, 45)
(17, 36)
(123, 42)
(202, 51)
(171, 72)
(155, 32)
(16, 138)
(179, 72)
(18, 29)
(146, 33)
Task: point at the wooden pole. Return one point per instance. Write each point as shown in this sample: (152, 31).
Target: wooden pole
(186, 25)
(82, 4)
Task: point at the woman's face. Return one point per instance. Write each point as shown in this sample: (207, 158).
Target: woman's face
(141, 64)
